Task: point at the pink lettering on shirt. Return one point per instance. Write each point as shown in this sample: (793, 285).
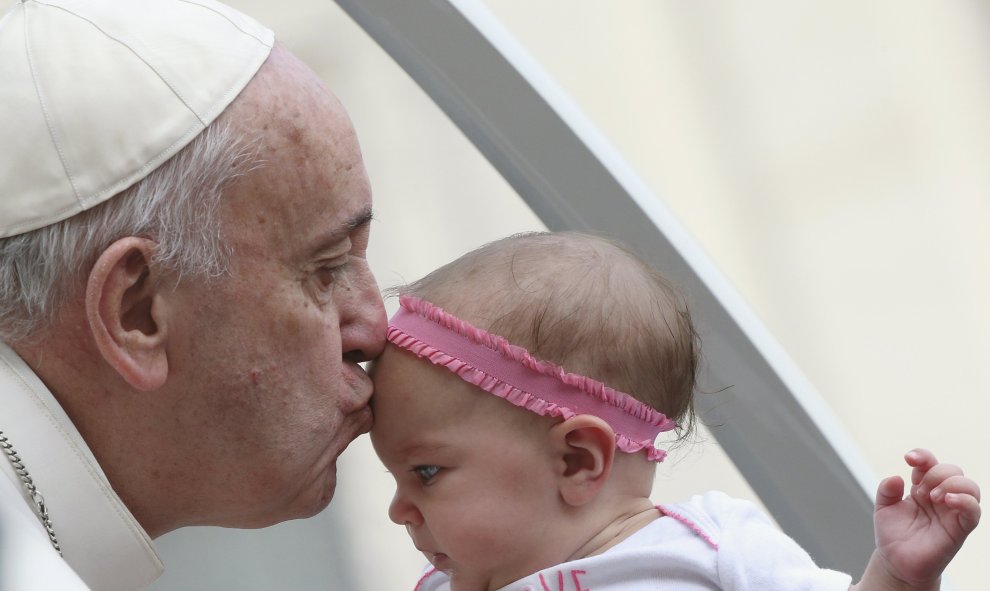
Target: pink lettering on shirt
(575, 574)
(577, 582)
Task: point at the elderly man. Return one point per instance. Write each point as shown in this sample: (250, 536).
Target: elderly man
(184, 293)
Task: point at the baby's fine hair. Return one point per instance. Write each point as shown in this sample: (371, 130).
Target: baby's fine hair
(584, 303)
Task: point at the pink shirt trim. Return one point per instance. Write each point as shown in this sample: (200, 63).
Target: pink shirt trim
(690, 525)
(423, 579)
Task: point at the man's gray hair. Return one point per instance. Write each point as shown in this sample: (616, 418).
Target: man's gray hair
(176, 205)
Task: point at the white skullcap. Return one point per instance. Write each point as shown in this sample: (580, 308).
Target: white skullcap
(95, 94)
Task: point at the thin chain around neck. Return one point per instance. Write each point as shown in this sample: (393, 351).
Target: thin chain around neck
(39, 501)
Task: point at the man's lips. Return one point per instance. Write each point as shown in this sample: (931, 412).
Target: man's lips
(362, 386)
(366, 419)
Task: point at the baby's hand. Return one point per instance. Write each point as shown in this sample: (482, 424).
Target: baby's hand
(918, 535)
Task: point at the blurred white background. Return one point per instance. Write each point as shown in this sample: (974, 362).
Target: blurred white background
(833, 158)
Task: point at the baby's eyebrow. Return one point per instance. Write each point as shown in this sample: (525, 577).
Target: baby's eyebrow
(421, 448)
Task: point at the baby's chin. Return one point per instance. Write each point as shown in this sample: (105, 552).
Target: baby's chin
(461, 581)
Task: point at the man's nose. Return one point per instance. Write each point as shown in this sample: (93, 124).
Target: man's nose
(362, 317)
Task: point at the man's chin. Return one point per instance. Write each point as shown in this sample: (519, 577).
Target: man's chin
(329, 489)
(313, 501)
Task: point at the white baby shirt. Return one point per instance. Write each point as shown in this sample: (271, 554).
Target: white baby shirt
(711, 542)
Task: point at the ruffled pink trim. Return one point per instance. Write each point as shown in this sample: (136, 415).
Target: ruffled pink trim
(689, 524)
(635, 409)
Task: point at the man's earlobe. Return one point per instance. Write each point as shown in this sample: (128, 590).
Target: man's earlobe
(586, 447)
(125, 315)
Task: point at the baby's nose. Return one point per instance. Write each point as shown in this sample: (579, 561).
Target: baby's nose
(403, 512)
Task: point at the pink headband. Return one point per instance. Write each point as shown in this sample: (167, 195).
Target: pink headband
(493, 364)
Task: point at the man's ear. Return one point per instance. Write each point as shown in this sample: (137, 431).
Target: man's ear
(586, 449)
(125, 313)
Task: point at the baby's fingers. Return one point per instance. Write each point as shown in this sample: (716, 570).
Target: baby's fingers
(890, 491)
(938, 475)
(968, 508)
(957, 485)
(922, 460)
(962, 495)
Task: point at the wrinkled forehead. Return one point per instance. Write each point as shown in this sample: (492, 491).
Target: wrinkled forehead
(287, 107)
(309, 178)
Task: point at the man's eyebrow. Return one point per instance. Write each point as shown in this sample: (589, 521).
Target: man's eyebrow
(356, 221)
(362, 218)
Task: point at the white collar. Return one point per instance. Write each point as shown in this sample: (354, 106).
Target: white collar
(100, 539)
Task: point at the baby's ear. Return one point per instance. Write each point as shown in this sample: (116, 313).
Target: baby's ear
(585, 446)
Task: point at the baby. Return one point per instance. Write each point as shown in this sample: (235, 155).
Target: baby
(517, 407)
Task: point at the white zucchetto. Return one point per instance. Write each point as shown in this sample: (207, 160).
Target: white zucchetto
(95, 94)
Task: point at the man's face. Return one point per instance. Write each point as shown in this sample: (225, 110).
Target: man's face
(265, 361)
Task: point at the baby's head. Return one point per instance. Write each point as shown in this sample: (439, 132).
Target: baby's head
(489, 490)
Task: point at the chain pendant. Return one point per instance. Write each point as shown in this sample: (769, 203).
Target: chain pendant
(39, 501)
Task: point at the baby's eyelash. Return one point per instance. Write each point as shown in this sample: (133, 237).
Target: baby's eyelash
(426, 472)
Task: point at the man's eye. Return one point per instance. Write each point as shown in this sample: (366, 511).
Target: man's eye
(328, 275)
(426, 473)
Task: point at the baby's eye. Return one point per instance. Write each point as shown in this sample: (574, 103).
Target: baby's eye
(426, 473)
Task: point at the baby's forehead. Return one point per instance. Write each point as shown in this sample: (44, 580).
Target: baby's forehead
(396, 363)
(401, 375)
